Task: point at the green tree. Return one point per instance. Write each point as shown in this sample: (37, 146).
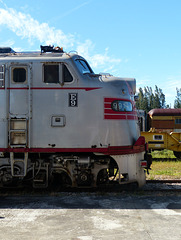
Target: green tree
(139, 103)
(149, 99)
(159, 98)
(177, 102)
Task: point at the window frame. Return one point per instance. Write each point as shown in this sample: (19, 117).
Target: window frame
(178, 121)
(19, 67)
(158, 137)
(51, 64)
(117, 102)
(66, 82)
(87, 64)
(60, 72)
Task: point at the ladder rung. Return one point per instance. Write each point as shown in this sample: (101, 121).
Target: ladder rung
(18, 146)
(17, 130)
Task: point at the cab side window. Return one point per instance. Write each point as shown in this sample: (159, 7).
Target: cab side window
(56, 73)
(51, 73)
(67, 77)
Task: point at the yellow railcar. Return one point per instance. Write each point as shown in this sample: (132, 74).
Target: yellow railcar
(163, 129)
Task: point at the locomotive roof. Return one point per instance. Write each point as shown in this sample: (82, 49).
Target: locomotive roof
(165, 112)
(46, 52)
(34, 55)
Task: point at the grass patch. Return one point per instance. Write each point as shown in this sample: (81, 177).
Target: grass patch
(165, 170)
(163, 154)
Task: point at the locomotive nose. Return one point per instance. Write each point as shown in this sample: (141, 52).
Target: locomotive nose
(125, 85)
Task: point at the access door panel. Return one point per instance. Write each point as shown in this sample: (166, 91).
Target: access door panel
(19, 90)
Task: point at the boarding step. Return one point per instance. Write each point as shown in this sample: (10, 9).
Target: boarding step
(41, 176)
(22, 163)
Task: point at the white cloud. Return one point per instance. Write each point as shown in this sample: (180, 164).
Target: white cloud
(85, 48)
(7, 43)
(173, 82)
(170, 85)
(142, 82)
(27, 28)
(96, 60)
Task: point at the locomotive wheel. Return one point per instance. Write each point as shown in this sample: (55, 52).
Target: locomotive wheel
(177, 154)
(84, 178)
(6, 178)
(61, 179)
(102, 177)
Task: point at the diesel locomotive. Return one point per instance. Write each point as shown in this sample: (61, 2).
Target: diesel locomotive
(62, 123)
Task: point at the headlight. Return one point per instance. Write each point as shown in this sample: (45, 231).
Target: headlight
(122, 106)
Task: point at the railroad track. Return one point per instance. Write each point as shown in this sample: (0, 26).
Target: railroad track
(166, 185)
(151, 186)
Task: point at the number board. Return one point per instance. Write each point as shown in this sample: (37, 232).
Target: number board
(73, 99)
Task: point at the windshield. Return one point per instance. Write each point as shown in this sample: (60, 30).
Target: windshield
(83, 66)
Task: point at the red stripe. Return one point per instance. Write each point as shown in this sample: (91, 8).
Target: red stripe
(18, 88)
(118, 150)
(54, 88)
(110, 111)
(116, 117)
(110, 114)
(120, 117)
(107, 105)
(131, 117)
(110, 100)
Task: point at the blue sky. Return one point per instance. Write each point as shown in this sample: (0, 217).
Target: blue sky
(127, 38)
